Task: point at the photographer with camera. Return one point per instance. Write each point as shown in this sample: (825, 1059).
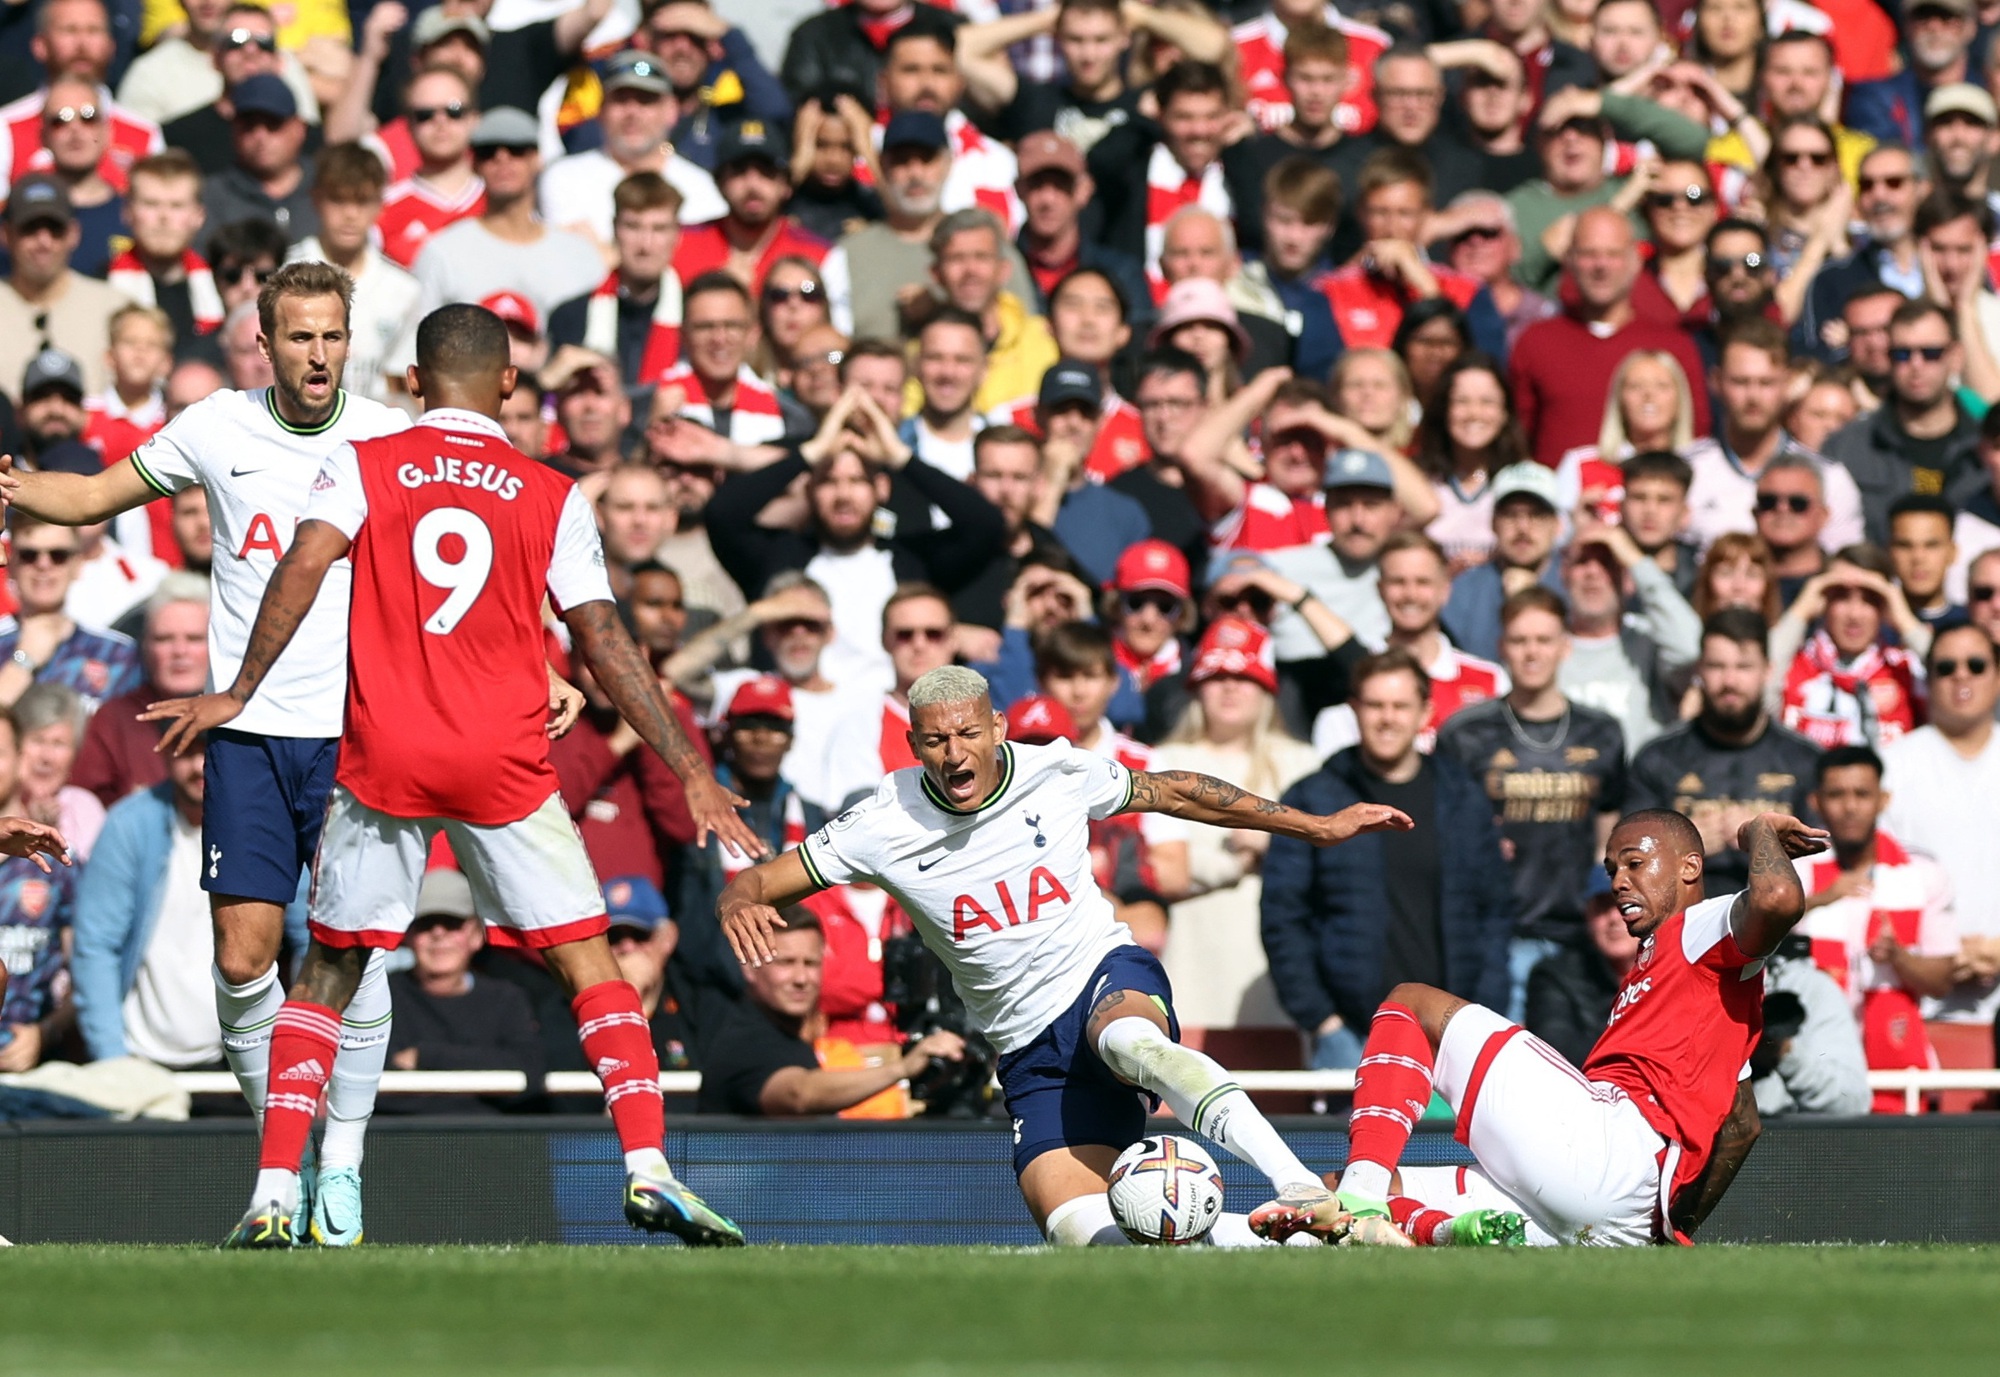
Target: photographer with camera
(1809, 1060)
(771, 1056)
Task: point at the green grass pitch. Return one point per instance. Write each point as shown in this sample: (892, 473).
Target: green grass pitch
(1815, 1312)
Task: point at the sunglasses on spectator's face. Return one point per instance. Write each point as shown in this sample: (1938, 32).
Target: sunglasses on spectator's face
(774, 295)
(1975, 665)
(1749, 264)
(57, 558)
(905, 635)
(1930, 353)
(71, 114)
(234, 273)
(247, 38)
(1813, 157)
(1166, 604)
(1797, 503)
(1893, 182)
(516, 151)
(811, 626)
(1479, 234)
(1689, 196)
(1982, 592)
(424, 114)
(1254, 600)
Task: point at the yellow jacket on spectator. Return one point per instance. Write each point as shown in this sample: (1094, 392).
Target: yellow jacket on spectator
(297, 20)
(1022, 351)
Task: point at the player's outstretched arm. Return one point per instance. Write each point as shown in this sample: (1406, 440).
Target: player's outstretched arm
(748, 908)
(294, 587)
(35, 840)
(1774, 900)
(1204, 798)
(74, 499)
(634, 689)
(1733, 1141)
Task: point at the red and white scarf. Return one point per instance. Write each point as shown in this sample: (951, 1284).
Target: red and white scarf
(1169, 188)
(128, 275)
(754, 419)
(663, 337)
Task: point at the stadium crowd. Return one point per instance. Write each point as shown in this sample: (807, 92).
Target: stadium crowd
(1512, 411)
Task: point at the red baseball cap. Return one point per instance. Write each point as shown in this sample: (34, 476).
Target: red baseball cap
(1152, 564)
(1038, 719)
(765, 696)
(1235, 646)
(516, 310)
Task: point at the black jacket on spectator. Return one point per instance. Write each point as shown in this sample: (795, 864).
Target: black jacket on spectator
(747, 1050)
(491, 1027)
(949, 558)
(1685, 769)
(1569, 998)
(1125, 272)
(1886, 464)
(1825, 298)
(831, 53)
(1118, 166)
(1325, 911)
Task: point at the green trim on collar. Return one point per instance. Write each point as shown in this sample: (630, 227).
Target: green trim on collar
(339, 408)
(1006, 778)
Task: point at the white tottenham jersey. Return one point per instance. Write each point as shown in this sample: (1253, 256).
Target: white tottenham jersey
(258, 471)
(1002, 893)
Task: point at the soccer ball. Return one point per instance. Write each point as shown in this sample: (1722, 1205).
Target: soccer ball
(1166, 1191)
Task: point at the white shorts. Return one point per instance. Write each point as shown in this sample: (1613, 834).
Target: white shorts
(531, 880)
(1576, 1156)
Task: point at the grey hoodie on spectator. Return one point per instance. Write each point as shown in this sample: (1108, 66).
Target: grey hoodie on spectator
(1637, 675)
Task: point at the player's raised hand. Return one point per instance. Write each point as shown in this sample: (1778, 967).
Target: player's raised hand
(37, 841)
(714, 809)
(1794, 836)
(188, 718)
(1357, 818)
(749, 927)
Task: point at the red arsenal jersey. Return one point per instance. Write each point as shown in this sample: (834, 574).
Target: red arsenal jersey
(704, 248)
(21, 152)
(1686, 1019)
(414, 210)
(458, 537)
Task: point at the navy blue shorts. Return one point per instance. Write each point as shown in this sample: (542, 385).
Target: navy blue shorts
(1059, 1092)
(260, 821)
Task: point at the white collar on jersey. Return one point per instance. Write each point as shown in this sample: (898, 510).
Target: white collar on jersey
(457, 418)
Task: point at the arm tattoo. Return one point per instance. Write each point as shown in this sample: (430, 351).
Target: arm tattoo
(1733, 1142)
(1767, 856)
(1204, 798)
(288, 597)
(632, 686)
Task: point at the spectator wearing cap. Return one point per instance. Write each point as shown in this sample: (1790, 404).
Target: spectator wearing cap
(1360, 512)
(644, 938)
(1150, 609)
(1893, 108)
(440, 109)
(527, 347)
(1054, 187)
(1229, 729)
(267, 178)
(1095, 524)
(75, 135)
(43, 302)
(1570, 991)
(52, 413)
(758, 735)
(639, 108)
(1341, 927)
(190, 79)
(843, 49)
(72, 38)
(754, 176)
(447, 1018)
(920, 72)
(1960, 120)
(715, 73)
(1198, 245)
(1561, 368)
(346, 189)
(634, 315)
(506, 247)
(878, 272)
(219, 44)
(1527, 524)
(1198, 319)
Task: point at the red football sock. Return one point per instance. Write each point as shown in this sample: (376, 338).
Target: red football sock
(1424, 1225)
(303, 1043)
(618, 1044)
(1391, 1090)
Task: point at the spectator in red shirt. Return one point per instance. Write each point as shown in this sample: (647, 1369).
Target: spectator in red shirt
(1562, 367)
(440, 108)
(118, 754)
(753, 172)
(629, 808)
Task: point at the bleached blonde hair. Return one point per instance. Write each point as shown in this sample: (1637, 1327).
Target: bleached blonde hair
(949, 684)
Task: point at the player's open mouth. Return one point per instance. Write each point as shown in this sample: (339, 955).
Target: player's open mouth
(1630, 909)
(958, 783)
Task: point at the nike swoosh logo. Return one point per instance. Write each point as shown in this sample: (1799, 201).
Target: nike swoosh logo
(934, 860)
(239, 473)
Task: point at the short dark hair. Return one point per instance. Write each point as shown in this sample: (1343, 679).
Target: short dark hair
(1172, 362)
(1734, 224)
(1674, 827)
(1190, 79)
(245, 241)
(1743, 625)
(1534, 598)
(1922, 308)
(717, 280)
(1923, 503)
(1865, 554)
(1074, 648)
(799, 918)
(948, 314)
(944, 35)
(869, 349)
(1870, 289)
(461, 340)
(1796, 36)
(1943, 206)
(1845, 757)
(1117, 292)
(348, 172)
(1394, 660)
(1660, 463)
(1951, 626)
(1759, 333)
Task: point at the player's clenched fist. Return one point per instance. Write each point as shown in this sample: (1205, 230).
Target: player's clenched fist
(1357, 818)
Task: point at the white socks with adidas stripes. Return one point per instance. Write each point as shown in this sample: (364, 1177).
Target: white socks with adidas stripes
(357, 1068)
(247, 1012)
(1202, 1096)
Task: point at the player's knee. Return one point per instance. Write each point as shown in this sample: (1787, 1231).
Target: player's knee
(243, 965)
(1133, 1048)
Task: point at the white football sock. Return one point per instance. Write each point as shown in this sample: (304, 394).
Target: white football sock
(247, 1012)
(1085, 1222)
(1202, 1096)
(648, 1161)
(1233, 1231)
(275, 1183)
(357, 1067)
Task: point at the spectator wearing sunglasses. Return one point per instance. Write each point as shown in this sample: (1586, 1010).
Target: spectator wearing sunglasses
(1982, 591)
(244, 253)
(76, 134)
(43, 302)
(1680, 210)
(920, 634)
(1889, 188)
(268, 177)
(1941, 781)
(1922, 439)
(753, 172)
(440, 108)
(1791, 519)
(222, 42)
(246, 46)
(43, 644)
(72, 38)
